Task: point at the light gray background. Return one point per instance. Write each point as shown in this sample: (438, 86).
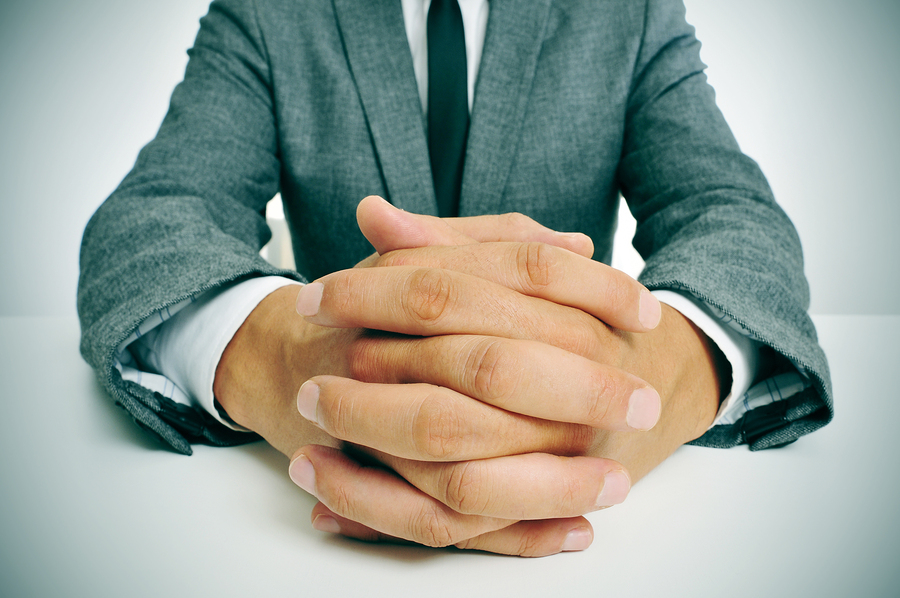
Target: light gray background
(811, 89)
(809, 86)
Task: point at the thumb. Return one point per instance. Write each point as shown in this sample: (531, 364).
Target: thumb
(389, 228)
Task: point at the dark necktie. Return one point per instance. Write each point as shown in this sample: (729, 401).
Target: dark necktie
(448, 105)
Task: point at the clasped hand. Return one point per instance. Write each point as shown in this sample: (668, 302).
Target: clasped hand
(470, 368)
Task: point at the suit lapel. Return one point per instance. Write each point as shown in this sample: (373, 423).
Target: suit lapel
(512, 44)
(374, 38)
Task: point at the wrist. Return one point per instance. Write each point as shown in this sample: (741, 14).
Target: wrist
(705, 374)
(262, 367)
(683, 365)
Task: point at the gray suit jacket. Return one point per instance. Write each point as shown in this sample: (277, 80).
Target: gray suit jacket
(576, 102)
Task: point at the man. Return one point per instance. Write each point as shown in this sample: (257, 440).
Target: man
(491, 382)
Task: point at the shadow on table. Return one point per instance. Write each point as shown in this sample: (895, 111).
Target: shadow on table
(118, 424)
(287, 512)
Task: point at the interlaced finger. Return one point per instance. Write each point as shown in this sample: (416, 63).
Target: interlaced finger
(545, 271)
(524, 377)
(431, 423)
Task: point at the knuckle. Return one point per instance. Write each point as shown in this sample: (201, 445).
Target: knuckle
(340, 502)
(604, 390)
(436, 428)
(491, 370)
(428, 294)
(618, 293)
(392, 258)
(342, 293)
(464, 490)
(338, 416)
(534, 264)
(580, 340)
(586, 336)
(361, 360)
(578, 440)
(570, 493)
(531, 544)
(432, 527)
(516, 220)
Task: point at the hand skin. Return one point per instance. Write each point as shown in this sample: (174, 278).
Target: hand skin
(447, 502)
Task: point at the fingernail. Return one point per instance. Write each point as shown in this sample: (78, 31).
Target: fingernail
(303, 474)
(649, 312)
(644, 408)
(615, 488)
(308, 401)
(577, 539)
(324, 523)
(309, 298)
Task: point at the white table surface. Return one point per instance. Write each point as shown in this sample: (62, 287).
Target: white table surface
(91, 506)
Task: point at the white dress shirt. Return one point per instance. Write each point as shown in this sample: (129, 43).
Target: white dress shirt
(176, 353)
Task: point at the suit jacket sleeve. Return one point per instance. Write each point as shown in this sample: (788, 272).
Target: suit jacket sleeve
(709, 226)
(188, 218)
(636, 115)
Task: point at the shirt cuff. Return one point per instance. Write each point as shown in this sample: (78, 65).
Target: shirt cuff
(186, 349)
(741, 351)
